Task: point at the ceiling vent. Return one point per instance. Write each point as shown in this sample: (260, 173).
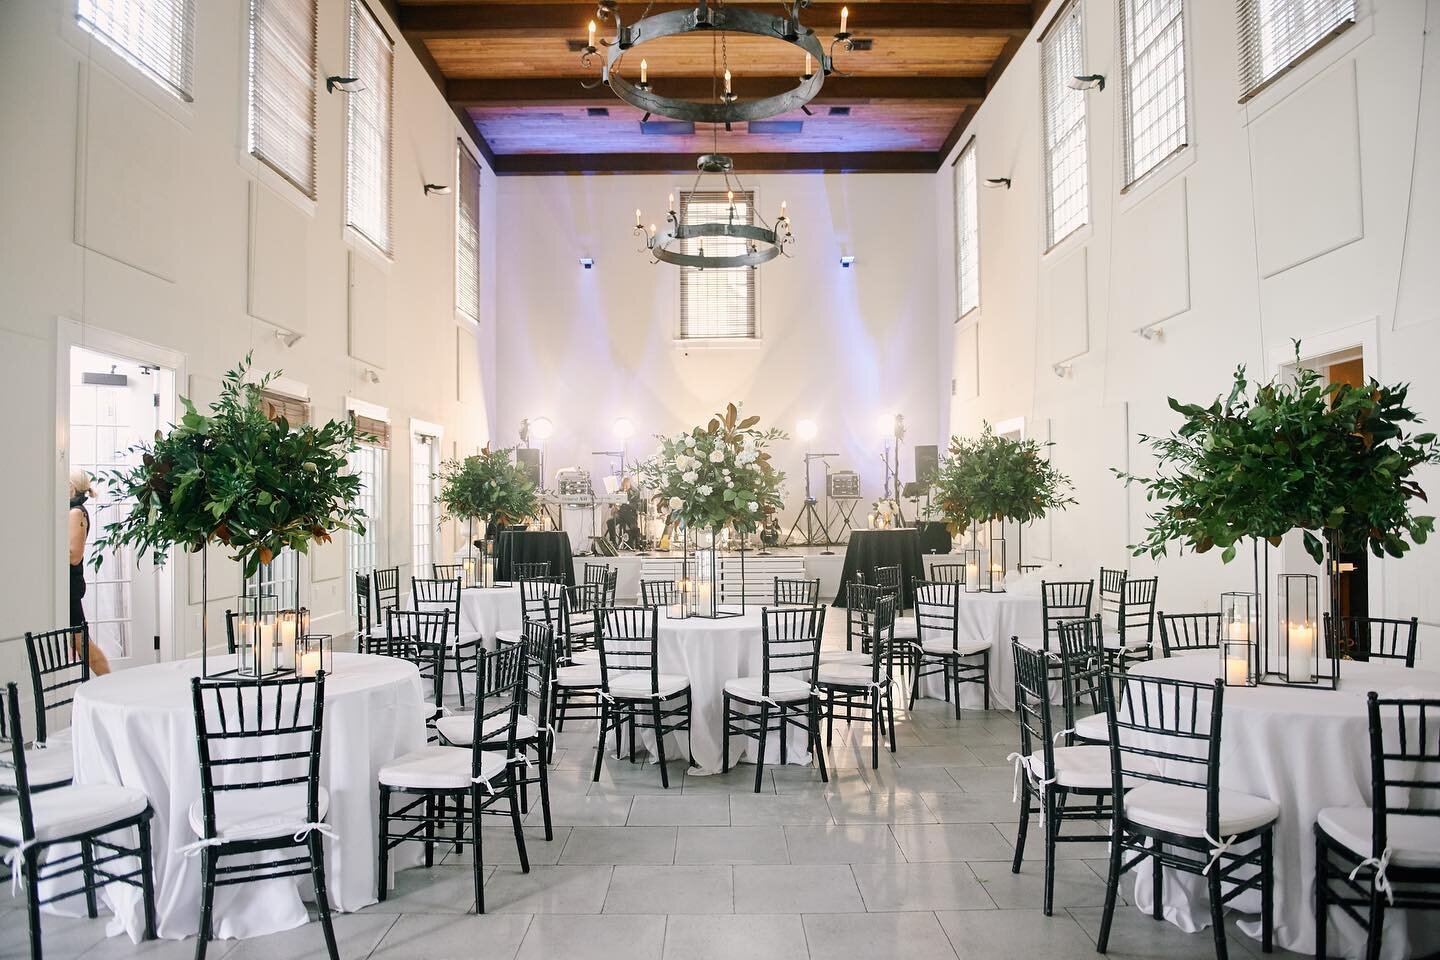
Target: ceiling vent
(839, 111)
(597, 111)
(858, 46)
(775, 126)
(667, 128)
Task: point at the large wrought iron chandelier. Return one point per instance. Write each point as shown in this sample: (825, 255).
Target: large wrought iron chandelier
(715, 16)
(763, 242)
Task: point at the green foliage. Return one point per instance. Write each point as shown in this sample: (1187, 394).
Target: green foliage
(995, 478)
(235, 477)
(1291, 455)
(488, 487)
(718, 475)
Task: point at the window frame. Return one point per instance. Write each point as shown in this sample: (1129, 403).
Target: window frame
(1129, 178)
(688, 341)
(353, 17)
(432, 438)
(373, 542)
(1252, 80)
(968, 151)
(181, 92)
(1052, 238)
(252, 148)
(462, 153)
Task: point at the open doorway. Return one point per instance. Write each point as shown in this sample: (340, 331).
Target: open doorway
(113, 403)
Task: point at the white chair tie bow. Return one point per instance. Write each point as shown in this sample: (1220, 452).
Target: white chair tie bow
(324, 829)
(12, 862)
(1023, 769)
(1067, 730)
(1382, 881)
(1218, 849)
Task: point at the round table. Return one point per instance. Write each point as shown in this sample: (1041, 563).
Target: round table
(137, 728)
(486, 610)
(711, 651)
(868, 549)
(1304, 749)
(995, 617)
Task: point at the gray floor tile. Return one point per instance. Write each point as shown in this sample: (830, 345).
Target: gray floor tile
(560, 889)
(733, 937)
(796, 889)
(738, 779)
(842, 843)
(420, 937)
(987, 781)
(910, 779)
(499, 847)
(670, 890)
(764, 844)
(748, 810)
(921, 842)
(612, 845)
(594, 938)
(357, 934)
(1017, 934)
(1035, 841)
(1134, 935)
(897, 807)
(65, 936)
(969, 807)
(569, 810)
(920, 886)
(681, 810)
(949, 754)
(914, 936)
(1075, 884)
(442, 889)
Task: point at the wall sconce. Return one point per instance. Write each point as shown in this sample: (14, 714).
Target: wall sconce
(1090, 81)
(344, 84)
(995, 183)
(1061, 370)
(370, 376)
(846, 262)
(1155, 334)
(439, 189)
(288, 339)
(588, 263)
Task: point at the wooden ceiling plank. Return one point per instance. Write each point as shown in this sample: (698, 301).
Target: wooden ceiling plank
(558, 90)
(874, 162)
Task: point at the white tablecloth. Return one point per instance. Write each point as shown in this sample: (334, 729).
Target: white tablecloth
(710, 652)
(136, 728)
(995, 617)
(1303, 749)
(486, 610)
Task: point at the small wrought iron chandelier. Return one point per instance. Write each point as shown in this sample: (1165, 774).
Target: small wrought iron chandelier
(763, 242)
(725, 107)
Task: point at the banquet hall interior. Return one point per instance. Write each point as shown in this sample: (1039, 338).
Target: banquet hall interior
(711, 479)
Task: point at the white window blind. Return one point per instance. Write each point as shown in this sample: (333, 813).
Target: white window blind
(368, 463)
(1152, 45)
(423, 457)
(967, 233)
(282, 88)
(157, 36)
(467, 234)
(1067, 184)
(367, 128)
(1276, 33)
(716, 303)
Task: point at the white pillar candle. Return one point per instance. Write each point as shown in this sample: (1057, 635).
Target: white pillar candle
(1300, 639)
(310, 664)
(1237, 667)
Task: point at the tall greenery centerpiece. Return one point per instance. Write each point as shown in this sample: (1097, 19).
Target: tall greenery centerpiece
(712, 477)
(1334, 461)
(994, 478)
(234, 476)
(489, 487)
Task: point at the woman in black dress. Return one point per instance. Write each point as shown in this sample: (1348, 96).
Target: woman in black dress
(81, 490)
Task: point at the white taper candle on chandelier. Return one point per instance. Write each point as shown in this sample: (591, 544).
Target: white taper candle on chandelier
(637, 216)
(809, 65)
(644, 71)
(727, 81)
(844, 19)
(592, 31)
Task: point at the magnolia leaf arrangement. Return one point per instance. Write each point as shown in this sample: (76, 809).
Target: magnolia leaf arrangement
(488, 486)
(234, 476)
(1333, 460)
(718, 475)
(991, 477)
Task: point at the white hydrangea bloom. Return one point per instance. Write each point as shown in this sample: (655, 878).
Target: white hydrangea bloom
(753, 506)
(689, 476)
(704, 489)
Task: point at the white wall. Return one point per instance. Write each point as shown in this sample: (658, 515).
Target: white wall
(1311, 212)
(840, 346)
(127, 211)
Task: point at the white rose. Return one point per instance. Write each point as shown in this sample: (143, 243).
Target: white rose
(717, 456)
(730, 484)
(753, 506)
(704, 489)
(676, 503)
(690, 476)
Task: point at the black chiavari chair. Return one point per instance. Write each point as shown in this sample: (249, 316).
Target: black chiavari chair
(633, 691)
(1369, 860)
(1025, 568)
(539, 600)
(88, 815)
(1062, 600)
(439, 786)
(596, 574)
(940, 648)
(1132, 609)
(863, 690)
(1165, 780)
(423, 638)
(1049, 774)
(947, 573)
(260, 793)
(530, 570)
(790, 591)
(861, 599)
(1082, 668)
(1375, 638)
(463, 647)
(59, 662)
(657, 593)
(784, 696)
(366, 629)
(577, 661)
(386, 583)
(888, 580)
(447, 571)
(1182, 633)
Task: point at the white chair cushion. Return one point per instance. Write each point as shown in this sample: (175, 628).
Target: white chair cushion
(509, 635)
(844, 656)
(1093, 728)
(783, 689)
(845, 674)
(258, 813)
(1113, 643)
(633, 684)
(906, 628)
(467, 638)
(43, 768)
(1414, 841)
(586, 657)
(457, 729)
(962, 648)
(1181, 810)
(67, 811)
(1085, 768)
(438, 768)
(586, 675)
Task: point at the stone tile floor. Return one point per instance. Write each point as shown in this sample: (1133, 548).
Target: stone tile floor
(908, 860)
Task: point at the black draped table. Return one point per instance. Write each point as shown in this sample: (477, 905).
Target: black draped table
(869, 549)
(934, 536)
(531, 546)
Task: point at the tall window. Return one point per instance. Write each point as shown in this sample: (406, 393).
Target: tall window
(1152, 47)
(276, 578)
(424, 460)
(1274, 34)
(157, 36)
(1067, 177)
(371, 61)
(467, 234)
(716, 304)
(967, 233)
(282, 88)
(366, 550)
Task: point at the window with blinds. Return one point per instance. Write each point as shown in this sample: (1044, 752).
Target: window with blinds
(967, 233)
(366, 549)
(1152, 83)
(156, 36)
(367, 127)
(1276, 34)
(276, 405)
(716, 304)
(370, 430)
(1067, 177)
(282, 88)
(467, 234)
(424, 518)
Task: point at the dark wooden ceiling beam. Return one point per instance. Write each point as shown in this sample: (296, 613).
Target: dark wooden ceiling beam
(480, 20)
(560, 91)
(533, 164)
